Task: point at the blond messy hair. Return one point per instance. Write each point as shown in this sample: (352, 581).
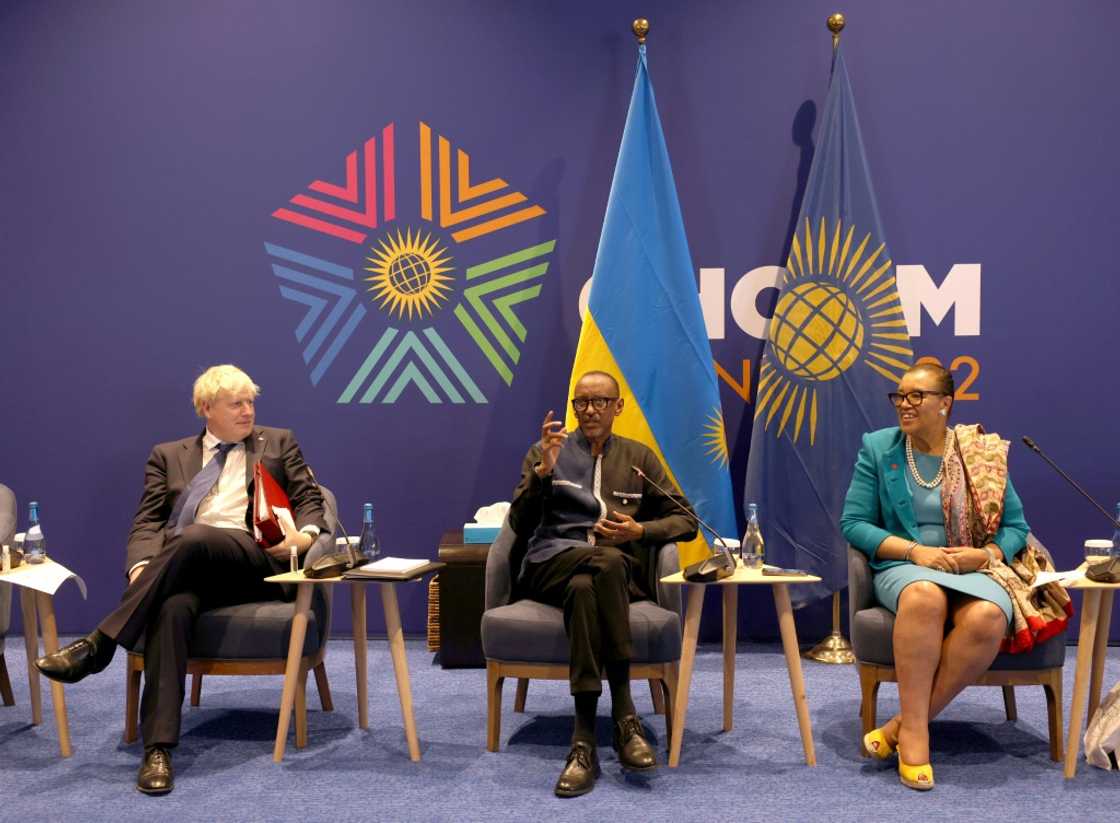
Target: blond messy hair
(218, 379)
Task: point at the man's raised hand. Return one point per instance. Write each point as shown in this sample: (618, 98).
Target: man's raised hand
(553, 435)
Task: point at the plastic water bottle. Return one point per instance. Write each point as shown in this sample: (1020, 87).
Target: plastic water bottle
(1116, 536)
(367, 543)
(753, 548)
(34, 544)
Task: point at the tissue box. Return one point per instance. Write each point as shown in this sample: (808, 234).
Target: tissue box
(480, 532)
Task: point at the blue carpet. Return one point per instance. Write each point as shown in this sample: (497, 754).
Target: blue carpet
(986, 768)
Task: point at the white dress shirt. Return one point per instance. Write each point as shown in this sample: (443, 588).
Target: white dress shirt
(225, 505)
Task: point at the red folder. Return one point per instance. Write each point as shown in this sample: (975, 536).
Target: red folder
(267, 496)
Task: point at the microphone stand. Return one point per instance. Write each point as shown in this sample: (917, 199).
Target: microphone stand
(725, 560)
(352, 557)
(1107, 571)
(1030, 444)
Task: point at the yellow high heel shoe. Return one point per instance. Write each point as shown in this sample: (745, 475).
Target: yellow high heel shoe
(876, 745)
(915, 777)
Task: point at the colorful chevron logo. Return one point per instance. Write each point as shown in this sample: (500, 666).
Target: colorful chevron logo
(356, 332)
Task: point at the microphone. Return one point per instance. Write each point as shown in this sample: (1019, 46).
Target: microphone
(716, 567)
(335, 563)
(1030, 444)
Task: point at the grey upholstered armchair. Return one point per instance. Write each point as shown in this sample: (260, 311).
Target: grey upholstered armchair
(872, 628)
(526, 639)
(252, 638)
(7, 532)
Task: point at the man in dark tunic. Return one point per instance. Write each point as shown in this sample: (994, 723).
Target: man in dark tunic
(591, 521)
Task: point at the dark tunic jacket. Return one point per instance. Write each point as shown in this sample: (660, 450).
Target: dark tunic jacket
(559, 511)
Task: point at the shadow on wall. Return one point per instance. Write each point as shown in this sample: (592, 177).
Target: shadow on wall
(801, 132)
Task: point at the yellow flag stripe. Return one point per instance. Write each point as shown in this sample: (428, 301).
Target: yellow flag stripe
(593, 354)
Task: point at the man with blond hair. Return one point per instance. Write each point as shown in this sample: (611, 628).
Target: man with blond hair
(191, 548)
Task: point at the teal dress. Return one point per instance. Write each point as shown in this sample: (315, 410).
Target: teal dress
(884, 500)
(889, 583)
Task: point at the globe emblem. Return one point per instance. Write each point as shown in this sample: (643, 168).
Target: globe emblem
(409, 273)
(816, 331)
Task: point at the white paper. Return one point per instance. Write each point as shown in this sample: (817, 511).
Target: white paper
(285, 518)
(394, 565)
(1062, 578)
(492, 515)
(43, 577)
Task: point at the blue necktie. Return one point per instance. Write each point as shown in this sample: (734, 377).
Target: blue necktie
(200, 486)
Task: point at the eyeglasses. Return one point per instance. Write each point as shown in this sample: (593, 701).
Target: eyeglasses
(580, 404)
(914, 398)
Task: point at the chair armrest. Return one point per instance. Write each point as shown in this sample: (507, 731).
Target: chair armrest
(499, 575)
(324, 543)
(321, 598)
(668, 562)
(861, 594)
(7, 515)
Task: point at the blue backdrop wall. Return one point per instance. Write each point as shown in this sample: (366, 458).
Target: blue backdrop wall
(187, 184)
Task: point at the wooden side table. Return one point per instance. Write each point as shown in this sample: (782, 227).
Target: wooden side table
(294, 684)
(742, 577)
(1092, 646)
(37, 608)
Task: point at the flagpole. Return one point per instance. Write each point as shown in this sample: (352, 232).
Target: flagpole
(835, 648)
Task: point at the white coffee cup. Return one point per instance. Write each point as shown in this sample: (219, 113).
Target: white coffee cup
(1097, 550)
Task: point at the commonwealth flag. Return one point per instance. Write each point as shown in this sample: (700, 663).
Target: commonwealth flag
(837, 343)
(644, 323)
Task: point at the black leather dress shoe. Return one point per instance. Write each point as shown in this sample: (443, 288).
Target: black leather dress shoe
(156, 776)
(72, 662)
(580, 771)
(634, 752)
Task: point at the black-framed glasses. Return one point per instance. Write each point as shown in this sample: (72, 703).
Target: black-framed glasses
(914, 398)
(580, 404)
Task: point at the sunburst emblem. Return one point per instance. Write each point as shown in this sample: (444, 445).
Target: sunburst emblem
(409, 274)
(715, 438)
(839, 309)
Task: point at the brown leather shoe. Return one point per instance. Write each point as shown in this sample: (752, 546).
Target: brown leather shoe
(634, 752)
(156, 776)
(580, 771)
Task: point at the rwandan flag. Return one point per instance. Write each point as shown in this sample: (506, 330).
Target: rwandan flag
(836, 345)
(644, 323)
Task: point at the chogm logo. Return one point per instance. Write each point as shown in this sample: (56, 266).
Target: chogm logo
(401, 301)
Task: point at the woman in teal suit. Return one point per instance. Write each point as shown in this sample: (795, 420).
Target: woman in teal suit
(896, 512)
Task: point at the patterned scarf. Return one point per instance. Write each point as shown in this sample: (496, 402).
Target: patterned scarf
(975, 480)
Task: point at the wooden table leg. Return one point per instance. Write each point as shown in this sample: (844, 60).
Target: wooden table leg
(684, 675)
(50, 646)
(31, 643)
(730, 639)
(291, 669)
(361, 648)
(793, 663)
(1086, 641)
(400, 665)
(1100, 649)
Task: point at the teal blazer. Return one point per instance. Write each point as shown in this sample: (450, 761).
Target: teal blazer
(879, 504)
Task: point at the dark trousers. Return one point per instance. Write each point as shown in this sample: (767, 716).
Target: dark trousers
(203, 568)
(592, 584)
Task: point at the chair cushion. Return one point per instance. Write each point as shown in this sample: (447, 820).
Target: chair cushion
(248, 631)
(531, 632)
(871, 641)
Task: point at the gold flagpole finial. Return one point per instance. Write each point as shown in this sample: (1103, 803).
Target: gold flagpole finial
(640, 27)
(836, 23)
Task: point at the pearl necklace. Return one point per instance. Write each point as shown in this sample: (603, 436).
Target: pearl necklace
(937, 478)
